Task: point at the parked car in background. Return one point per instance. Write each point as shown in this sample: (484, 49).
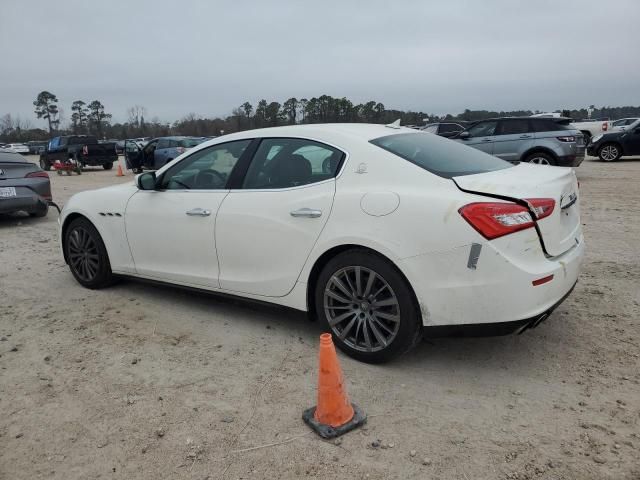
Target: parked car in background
(541, 140)
(591, 128)
(261, 214)
(159, 151)
(83, 149)
(622, 124)
(610, 147)
(36, 147)
(24, 186)
(444, 129)
(17, 147)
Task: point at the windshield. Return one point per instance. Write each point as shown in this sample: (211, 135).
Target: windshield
(440, 156)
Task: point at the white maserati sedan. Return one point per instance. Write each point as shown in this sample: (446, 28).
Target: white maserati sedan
(382, 233)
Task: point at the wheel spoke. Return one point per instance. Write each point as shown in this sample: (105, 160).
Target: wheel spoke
(367, 338)
(384, 303)
(334, 321)
(341, 286)
(381, 340)
(345, 331)
(387, 316)
(358, 281)
(381, 325)
(369, 286)
(335, 296)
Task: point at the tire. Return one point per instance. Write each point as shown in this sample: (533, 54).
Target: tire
(45, 165)
(540, 158)
(86, 255)
(42, 212)
(609, 152)
(388, 337)
(587, 137)
(107, 166)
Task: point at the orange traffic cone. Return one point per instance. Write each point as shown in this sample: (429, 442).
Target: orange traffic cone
(119, 174)
(335, 414)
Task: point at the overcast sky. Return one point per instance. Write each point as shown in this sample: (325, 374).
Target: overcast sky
(207, 57)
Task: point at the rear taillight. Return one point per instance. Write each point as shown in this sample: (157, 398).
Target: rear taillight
(605, 126)
(37, 174)
(567, 139)
(493, 220)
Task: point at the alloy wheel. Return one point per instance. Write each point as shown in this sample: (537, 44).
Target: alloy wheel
(609, 153)
(362, 309)
(539, 161)
(83, 254)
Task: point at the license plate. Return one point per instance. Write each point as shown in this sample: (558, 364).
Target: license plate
(7, 192)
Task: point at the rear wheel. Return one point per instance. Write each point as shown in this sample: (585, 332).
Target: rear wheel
(540, 159)
(609, 152)
(44, 164)
(107, 166)
(368, 306)
(87, 255)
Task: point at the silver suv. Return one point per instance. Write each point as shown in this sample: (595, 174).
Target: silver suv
(527, 139)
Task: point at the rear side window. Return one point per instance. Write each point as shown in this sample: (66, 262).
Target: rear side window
(440, 156)
(548, 125)
(513, 127)
(431, 129)
(190, 142)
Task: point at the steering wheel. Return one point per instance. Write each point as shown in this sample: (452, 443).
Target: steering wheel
(207, 179)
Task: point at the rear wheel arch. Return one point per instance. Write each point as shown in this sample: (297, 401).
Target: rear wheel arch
(323, 259)
(535, 150)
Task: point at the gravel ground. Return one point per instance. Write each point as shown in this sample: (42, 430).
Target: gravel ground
(141, 381)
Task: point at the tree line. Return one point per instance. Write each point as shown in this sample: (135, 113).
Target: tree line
(92, 118)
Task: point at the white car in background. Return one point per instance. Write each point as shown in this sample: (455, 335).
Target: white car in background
(591, 128)
(623, 123)
(383, 233)
(17, 148)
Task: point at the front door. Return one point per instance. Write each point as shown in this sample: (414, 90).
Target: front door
(481, 136)
(632, 142)
(171, 229)
(266, 230)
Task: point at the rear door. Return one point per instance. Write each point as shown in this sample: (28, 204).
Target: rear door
(481, 136)
(514, 137)
(267, 227)
(560, 230)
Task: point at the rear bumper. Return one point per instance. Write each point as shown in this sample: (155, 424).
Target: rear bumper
(572, 160)
(499, 289)
(29, 204)
(100, 160)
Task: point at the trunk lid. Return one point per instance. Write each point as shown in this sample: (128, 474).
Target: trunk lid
(12, 170)
(560, 230)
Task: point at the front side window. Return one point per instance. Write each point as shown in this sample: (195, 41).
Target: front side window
(483, 129)
(291, 162)
(439, 155)
(163, 144)
(514, 127)
(207, 169)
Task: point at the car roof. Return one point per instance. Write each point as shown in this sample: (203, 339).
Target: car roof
(364, 131)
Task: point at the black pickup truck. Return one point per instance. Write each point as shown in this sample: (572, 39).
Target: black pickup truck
(84, 149)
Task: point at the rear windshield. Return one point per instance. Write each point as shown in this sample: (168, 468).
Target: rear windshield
(443, 157)
(191, 142)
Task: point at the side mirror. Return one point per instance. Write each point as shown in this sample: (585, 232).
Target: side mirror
(464, 135)
(146, 181)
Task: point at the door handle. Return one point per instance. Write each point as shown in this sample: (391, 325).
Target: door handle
(306, 212)
(525, 136)
(198, 212)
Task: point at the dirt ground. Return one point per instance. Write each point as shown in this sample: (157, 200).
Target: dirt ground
(141, 381)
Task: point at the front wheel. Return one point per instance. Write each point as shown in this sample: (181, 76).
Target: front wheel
(368, 306)
(86, 254)
(609, 152)
(45, 165)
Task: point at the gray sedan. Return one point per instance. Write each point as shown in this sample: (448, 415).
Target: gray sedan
(24, 186)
